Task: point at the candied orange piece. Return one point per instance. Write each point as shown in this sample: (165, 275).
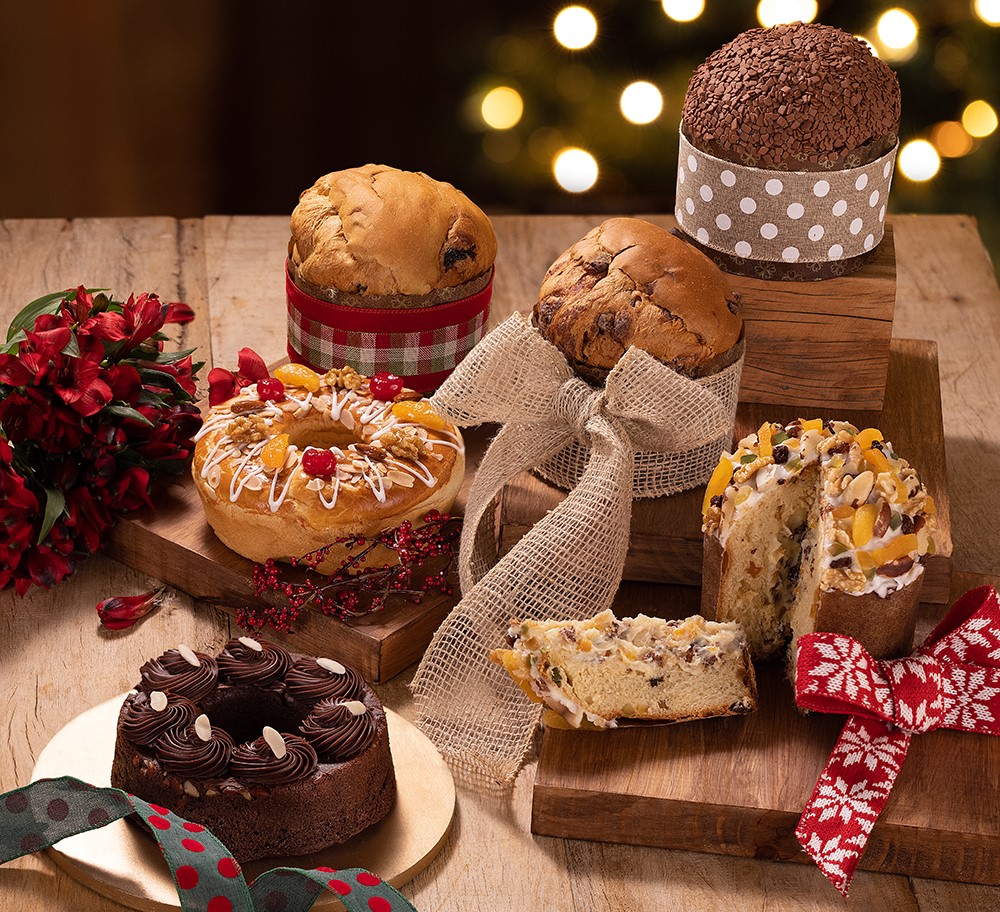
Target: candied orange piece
(896, 549)
(865, 560)
(868, 436)
(718, 482)
(864, 524)
(814, 424)
(844, 511)
(419, 412)
(878, 461)
(273, 454)
(764, 436)
(298, 375)
(930, 508)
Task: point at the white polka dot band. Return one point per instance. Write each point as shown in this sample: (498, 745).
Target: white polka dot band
(781, 216)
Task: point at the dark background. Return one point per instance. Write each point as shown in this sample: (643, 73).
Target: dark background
(193, 107)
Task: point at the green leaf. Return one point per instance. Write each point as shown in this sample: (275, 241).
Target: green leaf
(171, 357)
(125, 411)
(72, 348)
(11, 345)
(163, 380)
(55, 503)
(780, 437)
(46, 304)
(746, 460)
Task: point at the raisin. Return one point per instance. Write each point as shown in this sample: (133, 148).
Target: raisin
(840, 562)
(842, 447)
(780, 454)
(455, 255)
(655, 682)
(717, 501)
(793, 573)
(907, 526)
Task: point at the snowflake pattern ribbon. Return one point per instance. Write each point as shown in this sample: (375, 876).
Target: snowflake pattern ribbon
(951, 681)
(207, 877)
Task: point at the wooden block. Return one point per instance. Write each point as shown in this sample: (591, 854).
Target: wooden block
(176, 545)
(737, 786)
(666, 542)
(820, 345)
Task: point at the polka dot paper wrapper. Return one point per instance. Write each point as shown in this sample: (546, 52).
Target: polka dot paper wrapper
(793, 225)
(207, 877)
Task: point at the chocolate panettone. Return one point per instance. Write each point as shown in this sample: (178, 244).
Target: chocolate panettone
(376, 236)
(629, 282)
(276, 753)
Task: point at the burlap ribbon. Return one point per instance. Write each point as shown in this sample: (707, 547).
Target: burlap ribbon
(569, 565)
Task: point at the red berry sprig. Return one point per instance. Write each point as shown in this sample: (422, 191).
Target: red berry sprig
(321, 463)
(270, 389)
(385, 386)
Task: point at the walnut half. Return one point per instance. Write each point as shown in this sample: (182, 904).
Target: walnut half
(244, 430)
(403, 442)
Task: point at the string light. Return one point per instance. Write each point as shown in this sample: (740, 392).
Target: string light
(502, 108)
(575, 170)
(776, 12)
(919, 160)
(683, 10)
(897, 29)
(575, 27)
(641, 102)
(988, 11)
(979, 118)
(950, 139)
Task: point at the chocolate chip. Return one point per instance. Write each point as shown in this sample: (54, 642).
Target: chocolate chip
(655, 682)
(716, 501)
(907, 526)
(455, 255)
(622, 329)
(840, 562)
(780, 454)
(842, 447)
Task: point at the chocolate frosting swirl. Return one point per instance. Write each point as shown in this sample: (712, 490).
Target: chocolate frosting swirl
(255, 762)
(310, 682)
(171, 672)
(181, 751)
(141, 724)
(336, 733)
(243, 665)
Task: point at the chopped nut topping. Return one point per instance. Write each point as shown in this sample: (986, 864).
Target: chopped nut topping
(404, 443)
(374, 453)
(345, 378)
(245, 430)
(748, 471)
(246, 405)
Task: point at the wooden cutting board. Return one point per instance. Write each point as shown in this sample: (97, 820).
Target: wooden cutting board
(666, 542)
(176, 545)
(737, 786)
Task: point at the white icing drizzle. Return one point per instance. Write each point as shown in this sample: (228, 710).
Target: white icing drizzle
(376, 409)
(379, 489)
(236, 486)
(275, 502)
(337, 405)
(424, 476)
(330, 504)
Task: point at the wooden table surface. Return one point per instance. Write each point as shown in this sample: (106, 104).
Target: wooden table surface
(56, 661)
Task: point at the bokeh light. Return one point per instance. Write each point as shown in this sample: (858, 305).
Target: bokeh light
(502, 108)
(950, 139)
(641, 102)
(575, 27)
(919, 160)
(776, 12)
(988, 11)
(575, 170)
(979, 118)
(897, 29)
(683, 10)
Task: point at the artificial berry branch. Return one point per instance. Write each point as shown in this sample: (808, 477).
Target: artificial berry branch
(423, 559)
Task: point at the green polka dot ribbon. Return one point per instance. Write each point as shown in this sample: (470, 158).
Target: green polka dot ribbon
(207, 877)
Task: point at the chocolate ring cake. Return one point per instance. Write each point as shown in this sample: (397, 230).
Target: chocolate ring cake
(276, 753)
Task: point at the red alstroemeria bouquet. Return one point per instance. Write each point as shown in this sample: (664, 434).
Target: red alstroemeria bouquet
(91, 410)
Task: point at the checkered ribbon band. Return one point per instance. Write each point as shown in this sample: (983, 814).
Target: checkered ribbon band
(422, 345)
(951, 681)
(207, 877)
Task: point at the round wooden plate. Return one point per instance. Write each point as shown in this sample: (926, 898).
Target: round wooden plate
(122, 863)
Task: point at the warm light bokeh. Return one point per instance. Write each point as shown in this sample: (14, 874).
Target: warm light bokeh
(575, 170)
(919, 160)
(502, 108)
(988, 11)
(641, 102)
(979, 118)
(683, 10)
(776, 12)
(575, 27)
(897, 29)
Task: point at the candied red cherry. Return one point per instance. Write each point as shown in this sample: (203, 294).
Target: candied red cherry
(270, 389)
(321, 463)
(385, 386)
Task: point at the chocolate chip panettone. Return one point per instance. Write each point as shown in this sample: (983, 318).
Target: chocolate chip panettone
(629, 282)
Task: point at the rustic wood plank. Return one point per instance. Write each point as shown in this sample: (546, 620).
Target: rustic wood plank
(737, 786)
(665, 544)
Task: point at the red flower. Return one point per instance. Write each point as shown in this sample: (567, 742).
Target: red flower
(144, 316)
(78, 381)
(224, 384)
(124, 381)
(178, 313)
(123, 611)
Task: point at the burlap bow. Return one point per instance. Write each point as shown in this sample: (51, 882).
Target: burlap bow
(569, 565)
(951, 681)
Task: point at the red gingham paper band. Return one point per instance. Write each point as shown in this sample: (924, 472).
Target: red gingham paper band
(422, 345)
(951, 681)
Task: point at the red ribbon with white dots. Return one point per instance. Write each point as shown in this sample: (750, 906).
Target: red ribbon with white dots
(951, 681)
(207, 877)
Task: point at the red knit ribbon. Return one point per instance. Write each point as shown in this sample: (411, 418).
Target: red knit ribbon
(420, 344)
(951, 681)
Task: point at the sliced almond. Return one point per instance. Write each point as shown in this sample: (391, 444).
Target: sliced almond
(158, 700)
(203, 728)
(275, 742)
(403, 479)
(332, 666)
(214, 476)
(355, 707)
(189, 789)
(187, 654)
(251, 643)
(315, 484)
(347, 419)
(254, 483)
(858, 490)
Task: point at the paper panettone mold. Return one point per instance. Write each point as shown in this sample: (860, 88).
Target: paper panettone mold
(787, 144)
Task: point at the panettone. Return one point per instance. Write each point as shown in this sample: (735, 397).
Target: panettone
(629, 282)
(376, 236)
